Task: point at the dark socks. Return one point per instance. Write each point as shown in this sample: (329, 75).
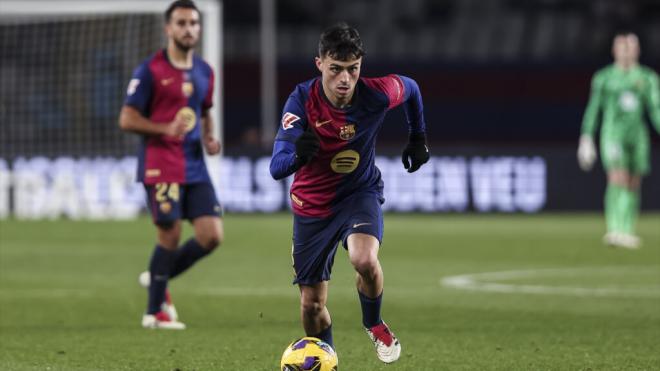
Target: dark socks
(370, 310)
(159, 269)
(187, 255)
(325, 335)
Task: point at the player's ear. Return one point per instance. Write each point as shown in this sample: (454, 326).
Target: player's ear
(318, 63)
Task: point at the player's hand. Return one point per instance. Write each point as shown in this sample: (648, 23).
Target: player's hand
(416, 152)
(212, 145)
(176, 128)
(586, 153)
(307, 146)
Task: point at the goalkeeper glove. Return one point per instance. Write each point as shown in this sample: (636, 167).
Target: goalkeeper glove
(307, 146)
(416, 152)
(586, 152)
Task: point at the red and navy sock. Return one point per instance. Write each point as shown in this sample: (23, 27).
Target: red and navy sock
(325, 335)
(370, 310)
(189, 253)
(160, 267)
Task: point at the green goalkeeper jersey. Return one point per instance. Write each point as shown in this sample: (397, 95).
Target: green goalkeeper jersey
(623, 96)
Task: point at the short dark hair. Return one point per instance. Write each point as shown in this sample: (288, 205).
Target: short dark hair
(188, 4)
(341, 42)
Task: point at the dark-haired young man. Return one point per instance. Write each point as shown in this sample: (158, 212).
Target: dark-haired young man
(167, 103)
(327, 138)
(623, 90)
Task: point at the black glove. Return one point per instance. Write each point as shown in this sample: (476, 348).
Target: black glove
(416, 151)
(307, 146)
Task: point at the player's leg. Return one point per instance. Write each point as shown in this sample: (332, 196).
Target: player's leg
(364, 233)
(313, 312)
(363, 254)
(202, 207)
(614, 163)
(163, 202)
(638, 166)
(313, 252)
(208, 236)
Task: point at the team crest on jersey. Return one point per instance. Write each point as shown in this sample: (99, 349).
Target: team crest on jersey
(288, 119)
(187, 88)
(347, 131)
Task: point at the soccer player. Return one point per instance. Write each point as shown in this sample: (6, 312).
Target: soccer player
(622, 90)
(168, 102)
(327, 138)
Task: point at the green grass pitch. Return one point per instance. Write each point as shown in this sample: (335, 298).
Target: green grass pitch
(70, 300)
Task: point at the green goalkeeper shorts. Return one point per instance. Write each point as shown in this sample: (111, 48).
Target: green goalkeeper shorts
(631, 153)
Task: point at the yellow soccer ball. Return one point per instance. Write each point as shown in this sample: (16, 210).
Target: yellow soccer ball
(309, 354)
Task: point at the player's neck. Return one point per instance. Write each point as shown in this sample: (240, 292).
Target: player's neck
(626, 66)
(179, 58)
(336, 102)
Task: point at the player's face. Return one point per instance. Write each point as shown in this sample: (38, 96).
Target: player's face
(339, 78)
(625, 49)
(183, 28)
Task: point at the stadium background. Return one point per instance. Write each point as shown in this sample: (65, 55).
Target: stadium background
(526, 285)
(504, 83)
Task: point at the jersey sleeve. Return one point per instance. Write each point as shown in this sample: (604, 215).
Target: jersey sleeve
(293, 123)
(402, 90)
(294, 120)
(653, 100)
(140, 88)
(593, 107)
(208, 100)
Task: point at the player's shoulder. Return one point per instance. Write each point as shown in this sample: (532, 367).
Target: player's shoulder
(199, 62)
(303, 90)
(648, 71)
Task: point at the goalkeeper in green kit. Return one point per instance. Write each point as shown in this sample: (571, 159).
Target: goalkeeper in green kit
(623, 90)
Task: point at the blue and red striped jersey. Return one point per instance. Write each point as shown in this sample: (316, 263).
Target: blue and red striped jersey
(162, 92)
(345, 163)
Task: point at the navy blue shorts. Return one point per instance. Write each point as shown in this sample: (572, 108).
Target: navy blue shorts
(315, 240)
(169, 202)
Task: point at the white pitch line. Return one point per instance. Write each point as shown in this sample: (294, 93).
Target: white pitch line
(480, 282)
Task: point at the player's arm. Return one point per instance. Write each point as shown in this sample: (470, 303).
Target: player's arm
(211, 143)
(587, 149)
(138, 99)
(589, 121)
(295, 144)
(416, 152)
(130, 119)
(654, 101)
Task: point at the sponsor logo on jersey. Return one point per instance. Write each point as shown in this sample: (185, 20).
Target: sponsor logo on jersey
(188, 115)
(187, 88)
(288, 119)
(132, 86)
(319, 124)
(347, 132)
(150, 173)
(628, 101)
(167, 81)
(345, 162)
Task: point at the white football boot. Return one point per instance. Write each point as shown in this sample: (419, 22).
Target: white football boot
(388, 348)
(168, 304)
(161, 320)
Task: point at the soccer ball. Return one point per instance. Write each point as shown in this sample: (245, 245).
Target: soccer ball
(309, 354)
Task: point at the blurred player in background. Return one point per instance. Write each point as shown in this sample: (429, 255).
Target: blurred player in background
(327, 138)
(622, 90)
(168, 102)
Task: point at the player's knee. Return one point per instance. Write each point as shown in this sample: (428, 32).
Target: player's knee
(366, 265)
(211, 242)
(311, 307)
